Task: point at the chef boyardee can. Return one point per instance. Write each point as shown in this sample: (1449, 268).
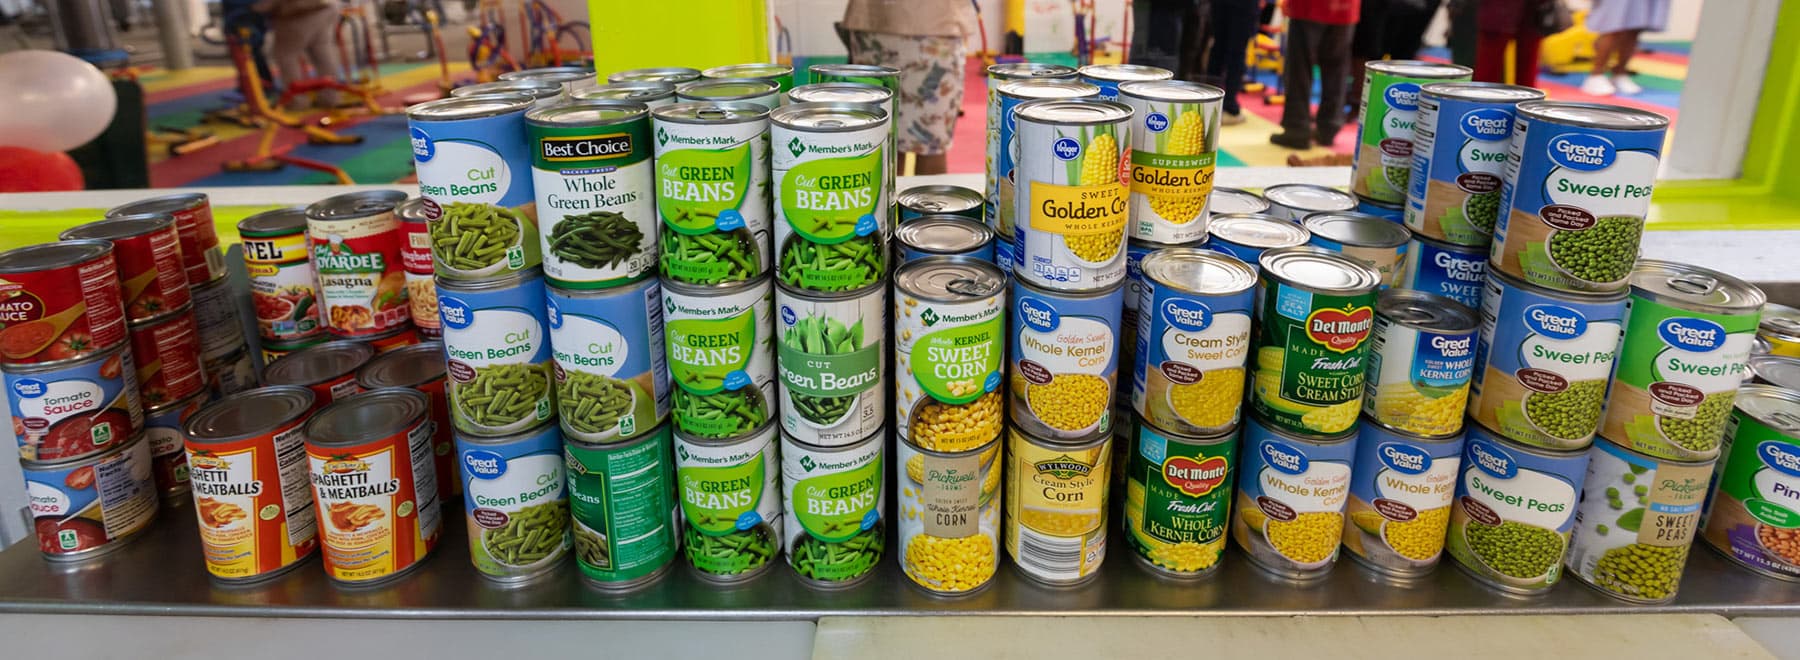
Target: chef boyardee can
(1401, 489)
(1291, 495)
(1454, 271)
(1515, 506)
(832, 195)
(720, 348)
(1365, 239)
(375, 485)
(837, 508)
(1071, 219)
(1637, 518)
(591, 170)
(473, 162)
(832, 358)
(515, 502)
(1294, 201)
(1315, 310)
(949, 350)
(1421, 357)
(712, 191)
(1247, 235)
(1056, 507)
(1178, 499)
(612, 377)
(730, 504)
(497, 343)
(1108, 77)
(1384, 135)
(1460, 141)
(1193, 336)
(1002, 156)
(938, 199)
(1173, 148)
(943, 235)
(1753, 516)
(1542, 362)
(622, 499)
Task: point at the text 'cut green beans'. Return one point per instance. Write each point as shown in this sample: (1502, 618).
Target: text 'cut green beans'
(600, 239)
(740, 551)
(503, 394)
(471, 236)
(722, 414)
(818, 335)
(712, 258)
(592, 403)
(831, 562)
(530, 534)
(846, 266)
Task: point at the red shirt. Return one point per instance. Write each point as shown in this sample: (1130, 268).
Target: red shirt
(1331, 12)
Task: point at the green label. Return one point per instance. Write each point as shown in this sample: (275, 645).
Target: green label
(1310, 353)
(955, 365)
(830, 375)
(621, 500)
(1761, 469)
(707, 356)
(700, 190)
(1187, 494)
(723, 499)
(837, 506)
(561, 148)
(1663, 343)
(833, 200)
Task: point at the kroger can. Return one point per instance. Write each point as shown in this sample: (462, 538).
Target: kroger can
(1056, 506)
(354, 240)
(721, 357)
(1753, 515)
(1542, 362)
(765, 93)
(328, 369)
(1365, 239)
(167, 352)
(1108, 77)
(76, 409)
(712, 191)
(650, 93)
(147, 252)
(1248, 235)
(1235, 200)
(622, 499)
(1064, 360)
(730, 504)
(1002, 152)
(1455, 271)
(415, 259)
(168, 449)
(1421, 357)
(938, 199)
(612, 380)
(375, 484)
(198, 236)
(1385, 117)
(1294, 201)
(836, 508)
(1460, 143)
(949, 516)
(1070, 231)
(246, 457)
(1575, 194)
(1291, 494)
(780, 74)
(283, 289)
(1315, 311)
(1193, 337)
(1173, 149)
(420, 367)
(497, 343)
(949, 352)
(62, 301)
(832, 362)
(1401, 489)
(1515, 506)
(474, 162)
(1178, 499)
(1637, 518)
(832, 195)
(591, 169)
(943, 235)
(90, 506)
(516, 503)
(668, 74)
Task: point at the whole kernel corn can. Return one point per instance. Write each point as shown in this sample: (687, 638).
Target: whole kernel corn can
(1421, 356)
(1056, 506)
(949, 348)
(949, 516)
(1193, 336)
(1072, 205)
(1174, 145)
(1401, 488)
(1178, 499)
(1637, 518)
(1515, 505)
(1753, 516)
(1315, 311)
(1065, 349)
(1291, 494)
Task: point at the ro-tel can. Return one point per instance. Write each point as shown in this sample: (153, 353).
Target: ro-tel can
(328, 369)
(1108, 77)
(837, 509)
(59, 302)
(473, 159)
(1393, 213)
(283, 289)
(949, 516)
(1070, 233)
(168, 453)
(1064, 360)
(415, 259)
(1294, 201)
(246, 457)
(920, 201)
(1193, 336)
(832, 361)
(1401, 488)
(1779, 370)
(712, 191)
(1542, 362)
(765, 93)
(1458, 272)
(721, 355)
(1056, 507)
(147, 254)
(943, 235)
(1575, 194)
(1173, 149)
(1635, 521)
(1291, 494)
(89, 506)
(1685, 351)
(1235, 201)
(612, 379)
(1421, 358)
(375, 483)
(420, 367)
(230, 373)
(274, 350)
(497, 342)
(650, 93)
(1315, 311)
(215, 311)
(1780, 329)
(516, 503)
(559, 75)
(1753, 514)
(622, 499)
(355, 245)
(167, 354)
(1365, 239)
(542, 93)
(1002, 154)
(1385, 117)
(1515, 507)
(666, 74)
(591, 168)
(832, 196)
(1178, 499)
(949, 350)
(1460, 143)
(194, 223)
(74, 409)
(730, 504)
(1247, 235)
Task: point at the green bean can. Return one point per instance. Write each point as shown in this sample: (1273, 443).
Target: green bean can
(498, 351)
(516, 503)
(832, 364)
(712, 191)
(1382, 168)
(730, 504)
(1637, 518)
(473, 162)
(720, 350)
(1514, 509)
(622, 499)
(836, 509)
(1315, 311)
(591, 168)
(832, 195)
(1178, 499)
(612, 379)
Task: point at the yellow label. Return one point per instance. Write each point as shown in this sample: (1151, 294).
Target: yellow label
(1056, 506)
(378, 511)
(255, 510)
(277, 250)
(1171, 182)
(1078, 210)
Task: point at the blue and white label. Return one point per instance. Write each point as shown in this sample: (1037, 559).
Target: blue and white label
(1066, 148)
(1447, 270)
(1691, 334)
(1301, 477)
(1555, 321)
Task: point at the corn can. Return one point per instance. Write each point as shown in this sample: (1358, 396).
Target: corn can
(1173, 150)
(1178, 499)
(999, 131)
(1071, 221)
(1002, 153)
(1064, 360)
(1401, 488)
(1248, 235)
(730, 504)
(949, 517)
(712, 192)
(1315, 312)
(252, 495)
(622, 500)
(1291, 494)
(836, 509)
(1193, 337)
(1235, 200)
(1108, 77)
(516, 503)
(1056, 506)
(1637, 517)
(1294, 201)
(375, 483)
(949, 350)
(1421, 357)
(1365, 239)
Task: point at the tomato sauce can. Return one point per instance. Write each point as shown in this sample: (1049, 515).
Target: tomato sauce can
(1055, 529)
(168, 448)
(283, 289)
(1401, 489)
(246, 458)
(1193, 338)
(420, 367)
(1247, 235)
(1365, 239)
(59, 302)
(194, 222)
(215, 312)
(355, 243)
(415, 259)
(497, 341)
(1064, 360)
(1073, 205)
(230, 373)
(90, 506)
(167, 354)
(517, 509)
(328, 369)
(147, 252)
(274, 350)
(375, 483)
(74, 410)
(622, 500)
(474, 167)
(1291, 494)
(612, 377)
(1315, 311)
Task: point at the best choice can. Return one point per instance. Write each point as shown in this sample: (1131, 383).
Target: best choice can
(1070, 232)
(90, 506)
(355, 240)
(246, 458)
(1421, 357)
(622, 499)
(1193, 336)
(1455, 271)
(832, 196)
(1178, 500)
(1688, 332)
(1291, 494)
(75, 409)
(1753, 514)
(415, 258)
(215, 312)
(730, 504)
(1637, 518)
(939, 199)
(1515, 505)
(1064, 360)
(592, 170)
(837, 507)
(1108, 77)
(943, 235)
(62, 301)
(1294, 201)
(1315, 311)
(1246, 236)
(283, 289)
(199, 239)
(720, 348)
(949, 516)
(498, 347)
(1542, 362)
(832, 363)
(168, 449)
(1002, 153)
(612, 379)
(1576, 192)
(1460, 141)
(949, 350)
(712, 191)
(1234, 200)
(473, 161)
(147, 253)
(515, 502)
(1401, 489)
(1172, 155)
(1056, 506)
(328, 369)
(1386, 113)
(420, 367)
(167, 354)
(375, 485)
(1364, 238)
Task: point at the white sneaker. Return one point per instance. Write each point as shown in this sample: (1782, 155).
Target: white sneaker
(1626, 85)
(1598, 86)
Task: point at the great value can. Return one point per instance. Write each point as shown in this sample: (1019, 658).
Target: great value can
(1291, 494)
(420, 367)
(622, 499)
(1056, 506)
(59, 302)
(415, 259)
(1636, 520)
(612, 379)
(1575, 194)
(168, 448)
(1365, 239)
(943, 235)
(497, 343)
(842, 92)
(375, 485)
(215, 312)
(832, 195)
(355, 240)
(1248, 235)
(283, 289)
(1421, 357)
(328, 369)
(147, 253)
(1315, 311)
(832, 360)
(1753, 514)
(668, 74)
(837, 509)
(562, 76)
(516, 503)
(1386, 113)
(1542, 362)
(999, 133)
(1193, 337)
(780, 74)
(721, 356)
(728, 90)
(1173, 149)
(1108, 77)
(949, 352)
(1235, 200)
(473, 163)
(1294, 201)
(1401, 489)
(246, 457)
(650, 93)
(938, 199)
(194, 224)
(1064, 360)
(1178, 499)
(541, 92)
(1688, 332)
(1002, 152)
(949, 516)
(1515, 506)
(1454, 271)
(712, 191)
(167, 354)
(76, 409)
(1070, 228)
(1393, 213)
(591, 169)
(86, 507)
(1460, 140)
(730, 504)
(1135, 251)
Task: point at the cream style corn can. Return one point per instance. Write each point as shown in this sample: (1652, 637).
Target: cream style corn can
(1056, 506)
(949, 518)
(1072, 201)
(1421, 356)
(1178, 499)
(1290, 499)
(949, 347)
(1065, 349)
(1193, 337)
(1174, 145)
(1401, 487)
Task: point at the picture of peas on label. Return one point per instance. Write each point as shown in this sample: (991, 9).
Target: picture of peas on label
(1064, 360)
(730, 504)
(831, 360)
(1676, 376)
(612, 380)
(833, 198)
(712, 193)
(1290, 502)
(835, 501)
(515, 502)
(1636, 520)
(1513, 511)
(1460, 142)
(1308, 365)
(591, 168)
(498, 355)
(720, 358)
(1542, 363)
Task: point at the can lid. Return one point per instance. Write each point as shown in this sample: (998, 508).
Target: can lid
(50, 255)
(1594, 115)
(506, 281)
(1309, 197)
(753, 70)
(275, 222)
(1418, 69)
(1019, 70)
(642, 91)
(841, 92)
(1695, 288)
(943, 234)
(1426, 311)
(1482, 91)
(1180, 91)
(1319, 270)
(950, 279)
(407, 366)
(479, 103)
(355, 204)
(1779, 370)
(1049, 88)
(1197, 270)
(726, 89)
(828, 117)
(161, 203)
(669, 74)
(587, 113)
(1072, 111)
(1233, 200)
(248, 413)
(854, 70)
(711, 112)
(1357, 229)
(939, 198)
(1258, 230)
(1123, 72)
(120, 226)
(551, 74)
(318, 363)
(412, 210)
(368, 416)
(1777, 407)
(1780, 320)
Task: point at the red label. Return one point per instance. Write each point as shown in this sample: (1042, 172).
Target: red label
(1476, 183)
(415, 248)
(168, 360)
(1396, 147)
(33, 326)
(1566, 218)
(1340, 330)
(1676, 394)
(199, 243)
(362, 285)
(1539, 380)
(151, 271)
(460, 371)
(1195, 478)
(490, 518)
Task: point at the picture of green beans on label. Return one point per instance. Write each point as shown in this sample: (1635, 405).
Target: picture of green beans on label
(480, 239)
(1602, 253)
(598, 239)
(711, 258)
(724, 414)
(830, 562)
(1514, 549)
(502, 397)
(736, 552)
(818, 335)
(1571, 414)
(535, 533)
(590, 547)
(597, 407)
(846, 266)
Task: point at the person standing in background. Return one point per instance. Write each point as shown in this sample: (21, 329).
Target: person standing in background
(1619, 24)
(305, 32)
(924, 40)
(1234, 23)
(1505, 22)
(1318, 33)
(1386, 29)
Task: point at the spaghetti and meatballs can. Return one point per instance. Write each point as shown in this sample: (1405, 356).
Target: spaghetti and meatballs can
(516, 503)
(730, 495)
(938, 199)
(1365, 239)
(1056, 506)
(837, 509)
(1315, 310)
(168, 448)
(415, 259)
(832, 195)
(622, 501)
(69, 411)
(395, 339)
(59, 302)
(1193, 337)
(1514, 509)
(1383, 161)
(1753, 516)
(1074, 207)
(375, 484)
(167, 354)
(328, 369)
(612, 376)
(1460, 142)
(1455, 271)
(1002, 160)
(283, 289)
(419, 367)
(246, 457)
(1291, 494)
(949, 516)
(949, 352)
(215, 311)
(1542, 362)
(147, 252)
(194, 224)
(474, 166)
(1636, 520)
(712, 192)
(1064, 360)
(355, 240)
(1421, 357)
(497, 343)
(1178, 499)
(721, 356)
(91, 506)
(831, 361)
(592, 170)
(1173, 149)
(1401, 488)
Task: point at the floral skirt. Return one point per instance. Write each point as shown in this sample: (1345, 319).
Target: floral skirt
(931, 84)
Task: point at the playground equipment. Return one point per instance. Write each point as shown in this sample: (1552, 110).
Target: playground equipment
(549, 40)
(256, 111)
(1568, 51)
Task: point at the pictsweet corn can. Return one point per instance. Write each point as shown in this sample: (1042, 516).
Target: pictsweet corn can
(375, 483)
(1421, 357)
(168, 449)
(712, 192)
(1365, 239)
(1193, 338)
(354, 239)
(75, 409)
(1401, 489)
(1637, 518)
(1753, 514)
(1108, 77)
(283, 289)
(1515, 506)
(832, 360)
(1382, 167)
(622, 499)
(1002, 154)
(1056, 506)
(938, 199)
(474, 164)
(949, 516)
(246, 458)
(1291, 494)
(611, 370)
(1247, 236)
(90, 506)
(721, 357)
(730, 504)
(497, 345)
(832, 195)
(147, 252)
(328, 369)
(1315, 312)
(421, 367)
(949, 352)
(1294, 201)
(1235, 200)
(591, 168)
(1178, 499)
(1460, 140)
(836, 509)
(1173, 149)
(515, 502)
(1064, 360)
(1456, 271)
(943, 235)
(1543, 361)
(1070, 223)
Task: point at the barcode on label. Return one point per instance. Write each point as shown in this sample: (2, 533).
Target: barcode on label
(1056, 557)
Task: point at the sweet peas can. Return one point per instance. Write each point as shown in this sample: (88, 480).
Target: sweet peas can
(1460, 141)
(1543, 361)
(1455, 271)
(1515, 506)
(147, 251)
(1637, 517)
(76, 409)
(1386, 113)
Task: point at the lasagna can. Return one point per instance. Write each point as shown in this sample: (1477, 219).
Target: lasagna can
(1069, 231)
(246, 457)
(283, 289)
(474, 168)
(355, 240)
(375, 484)
(194, 224)
(147, 252)
(591, 167)
(73, 410)
(87, 507)
(59, 302)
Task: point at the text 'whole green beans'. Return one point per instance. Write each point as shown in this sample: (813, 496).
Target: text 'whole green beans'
(599, 239)
(592, 403)
(817, 335)
(722, 414)
(710, 258)
(473, 237)
(503, 394)
(846, 266)
(530, 534)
